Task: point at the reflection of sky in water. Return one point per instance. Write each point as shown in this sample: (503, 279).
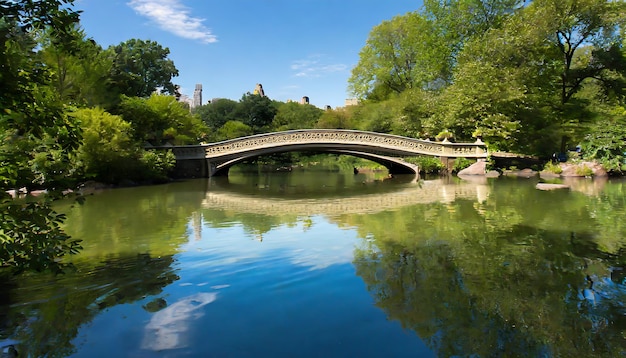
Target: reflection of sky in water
(295, 293)
(324, 246)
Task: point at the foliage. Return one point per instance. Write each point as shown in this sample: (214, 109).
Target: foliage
(606, 142)
(141, 67)
(159, 119)
(157, 165)
(427, 164)
(109, 154)
(108, 151)
(36, 137)
(217, 113)
(81, 74)
(460, 164)
(400, 54)
(234, 129)
(340, 118)
(530, 77)
(255, 111)
(31, 237)
(553, 168)
(293, 115)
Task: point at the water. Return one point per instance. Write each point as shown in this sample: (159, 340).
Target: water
(310, 264)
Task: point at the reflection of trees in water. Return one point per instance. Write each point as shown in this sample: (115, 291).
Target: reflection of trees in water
(499, 278)
(118, 221)
(57, 306)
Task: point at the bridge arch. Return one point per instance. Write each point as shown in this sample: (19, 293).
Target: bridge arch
(393, 165)
(383, 148)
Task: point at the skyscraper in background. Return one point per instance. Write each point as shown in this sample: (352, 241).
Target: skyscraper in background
(197, 96)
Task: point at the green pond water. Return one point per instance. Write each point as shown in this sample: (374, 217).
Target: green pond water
(332, 264)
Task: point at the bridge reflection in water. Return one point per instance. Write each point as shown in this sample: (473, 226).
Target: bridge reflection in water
(420, 192)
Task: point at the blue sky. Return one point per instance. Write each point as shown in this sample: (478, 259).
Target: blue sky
(294, 48)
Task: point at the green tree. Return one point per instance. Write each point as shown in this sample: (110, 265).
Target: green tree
(294, 115)
(140, 67)
(234, 129)
(36, 137)
(217, 113)
(159, 119)
(341, 118)
(256, 111)
(400, 54)
(81, 74)
(110, 154)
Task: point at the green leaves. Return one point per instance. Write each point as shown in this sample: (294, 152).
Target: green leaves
(140, 68)
(31, 237)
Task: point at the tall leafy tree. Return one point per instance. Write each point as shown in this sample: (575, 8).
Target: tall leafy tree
(140, 67)
(399, 54)
(256, 111)
(159, 119)
(293, 115)
(81, 74)
(217, 113)
(36, 136)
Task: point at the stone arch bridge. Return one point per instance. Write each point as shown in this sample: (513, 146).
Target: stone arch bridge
(206, 160)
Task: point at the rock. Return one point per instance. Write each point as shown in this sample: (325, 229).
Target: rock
(524, 173)
(545, 174)
(478, 168)
(548, 186)
(492, 174)
(582, 169)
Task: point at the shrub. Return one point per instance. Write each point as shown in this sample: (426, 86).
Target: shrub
(553, 168)
(156, 166)
(584, 170)
(460, 164)
(427, 165)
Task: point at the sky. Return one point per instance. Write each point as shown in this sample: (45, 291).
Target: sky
(294, 48)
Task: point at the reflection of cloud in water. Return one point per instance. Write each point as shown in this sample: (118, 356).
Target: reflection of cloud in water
(167, 327)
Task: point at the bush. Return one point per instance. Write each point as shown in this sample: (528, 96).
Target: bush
(553, 168)
(606, 143)
(584, 170)
(460, 164)
(156, 166)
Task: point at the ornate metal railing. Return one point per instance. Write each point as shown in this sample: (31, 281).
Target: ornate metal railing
(335, 138)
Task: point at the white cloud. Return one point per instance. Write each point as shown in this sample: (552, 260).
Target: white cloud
(315, 66)
(174, 17)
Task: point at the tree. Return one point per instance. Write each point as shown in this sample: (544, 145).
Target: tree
(341, 118)
(294, 115)
(159, 119)
(81, 74)
(400, 54)
(255, 111)
(33, 131)
(217, 113)
(234, 129)
(141, 67)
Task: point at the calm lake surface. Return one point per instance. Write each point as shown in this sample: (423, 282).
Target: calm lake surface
(332, 264)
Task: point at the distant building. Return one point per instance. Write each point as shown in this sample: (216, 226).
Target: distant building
(197, 96)
(304, 100)
(259, 90)
(185, 99)
(352, 102)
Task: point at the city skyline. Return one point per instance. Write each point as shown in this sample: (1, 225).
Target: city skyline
(295, 49)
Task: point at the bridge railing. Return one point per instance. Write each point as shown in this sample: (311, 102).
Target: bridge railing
(336, 137)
